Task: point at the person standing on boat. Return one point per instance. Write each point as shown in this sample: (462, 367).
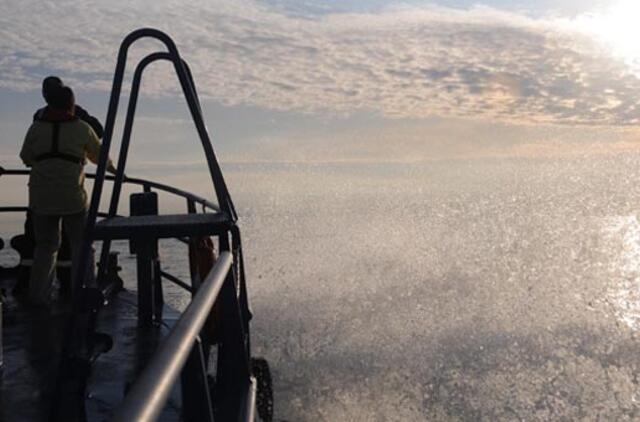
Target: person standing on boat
(63, 272)
(56, 148)
(49, 85)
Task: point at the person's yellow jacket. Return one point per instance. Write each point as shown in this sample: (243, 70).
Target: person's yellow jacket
(56, 186)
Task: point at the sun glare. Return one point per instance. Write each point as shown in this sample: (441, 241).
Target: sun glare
(619, 27)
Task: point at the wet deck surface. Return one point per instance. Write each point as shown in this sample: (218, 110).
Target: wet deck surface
(32, 343)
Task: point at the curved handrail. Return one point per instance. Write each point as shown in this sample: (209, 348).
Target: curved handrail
(19, 208)
(188, 88)
(14, 209)
(128, 125)
(135, 181)
(113, 105)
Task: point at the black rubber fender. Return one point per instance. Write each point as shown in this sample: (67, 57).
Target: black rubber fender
(264, 399)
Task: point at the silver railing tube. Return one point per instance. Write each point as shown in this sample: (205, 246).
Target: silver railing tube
(148, 395)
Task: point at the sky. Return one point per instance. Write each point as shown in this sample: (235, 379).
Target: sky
(346, 81)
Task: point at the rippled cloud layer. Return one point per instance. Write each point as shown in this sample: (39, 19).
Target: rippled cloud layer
(404, 62)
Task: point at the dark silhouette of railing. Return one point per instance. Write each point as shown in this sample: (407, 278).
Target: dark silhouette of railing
(192, 202)
(147, 397)
(150, 395)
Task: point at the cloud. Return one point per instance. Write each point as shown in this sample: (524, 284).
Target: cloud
(399, 62)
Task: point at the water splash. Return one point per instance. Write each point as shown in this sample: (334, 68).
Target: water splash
(624, 292)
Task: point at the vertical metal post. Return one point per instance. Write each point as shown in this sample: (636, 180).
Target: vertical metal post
(233, 369)
(245, 310)
(157, 293)
(233, 372)
(193, 259)
(191, 206)
(196, 396)
(146, 250)
(1, 342)
(145, 263)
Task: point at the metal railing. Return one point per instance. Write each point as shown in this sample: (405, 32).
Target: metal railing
(192, 201)
(224, 284)
(147, 397)
(146, 185)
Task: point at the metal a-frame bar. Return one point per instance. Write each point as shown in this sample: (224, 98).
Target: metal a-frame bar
(126, 140)
(185, 79)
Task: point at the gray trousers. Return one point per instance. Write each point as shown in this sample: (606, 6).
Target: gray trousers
(47, 233)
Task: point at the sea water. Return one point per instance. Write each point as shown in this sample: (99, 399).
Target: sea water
(494, 289)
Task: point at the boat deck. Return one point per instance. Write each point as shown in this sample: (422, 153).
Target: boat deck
(32, 342)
